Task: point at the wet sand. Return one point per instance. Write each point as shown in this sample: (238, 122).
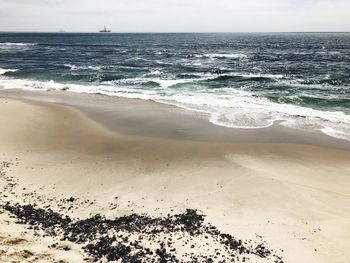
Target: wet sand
(156, 120)
(294, 197)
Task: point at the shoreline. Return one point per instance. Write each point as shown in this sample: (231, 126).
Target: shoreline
(154, 119)
(244, 189)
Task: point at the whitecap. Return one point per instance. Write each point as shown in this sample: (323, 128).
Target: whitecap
(221, 56)
(231, 56)
(17, 44)
(3, 71)
(166, 83)
(82, 67)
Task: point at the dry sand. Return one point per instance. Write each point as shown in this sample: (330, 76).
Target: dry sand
(297, 197)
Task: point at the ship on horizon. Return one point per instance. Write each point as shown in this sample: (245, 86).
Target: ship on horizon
(105, 30)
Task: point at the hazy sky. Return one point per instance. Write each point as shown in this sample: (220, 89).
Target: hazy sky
(175, 15)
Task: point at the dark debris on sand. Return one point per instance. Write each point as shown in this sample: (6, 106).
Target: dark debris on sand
(111, 239)
(136, 238)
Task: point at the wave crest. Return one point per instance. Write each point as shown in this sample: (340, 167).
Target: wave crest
(17, 44)
(4, 71)
(82, 67)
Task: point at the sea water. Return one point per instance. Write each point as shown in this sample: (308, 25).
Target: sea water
(299, 80)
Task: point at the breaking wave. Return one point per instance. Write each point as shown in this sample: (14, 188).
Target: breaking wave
(237, 80)
(227, 107)
(4, 71)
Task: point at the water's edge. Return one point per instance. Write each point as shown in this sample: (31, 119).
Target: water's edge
(138, 117)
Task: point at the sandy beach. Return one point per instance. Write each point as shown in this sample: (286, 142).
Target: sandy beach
(288, 195)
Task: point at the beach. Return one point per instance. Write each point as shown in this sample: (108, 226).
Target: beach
(285, 189)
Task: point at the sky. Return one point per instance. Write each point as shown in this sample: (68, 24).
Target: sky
(175, 15)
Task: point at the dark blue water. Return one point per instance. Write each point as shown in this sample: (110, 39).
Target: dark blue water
(239, 80)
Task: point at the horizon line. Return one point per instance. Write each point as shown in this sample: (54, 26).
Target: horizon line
(170, 32)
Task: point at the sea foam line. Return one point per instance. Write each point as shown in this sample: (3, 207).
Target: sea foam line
(230, 108)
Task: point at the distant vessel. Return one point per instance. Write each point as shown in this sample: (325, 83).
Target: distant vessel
(104, 30)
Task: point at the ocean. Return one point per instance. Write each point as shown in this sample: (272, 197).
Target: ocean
(240, 80)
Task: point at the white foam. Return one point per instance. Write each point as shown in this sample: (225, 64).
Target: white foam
(156, 72)
(232, 56)
(225, 107)
(81, 67)
(153, 73)
(163, 83)
(3, 71)
(221, 56)
(238, 109)
(17, 44)
(271, 76)
(338, 132)
(167, 83)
